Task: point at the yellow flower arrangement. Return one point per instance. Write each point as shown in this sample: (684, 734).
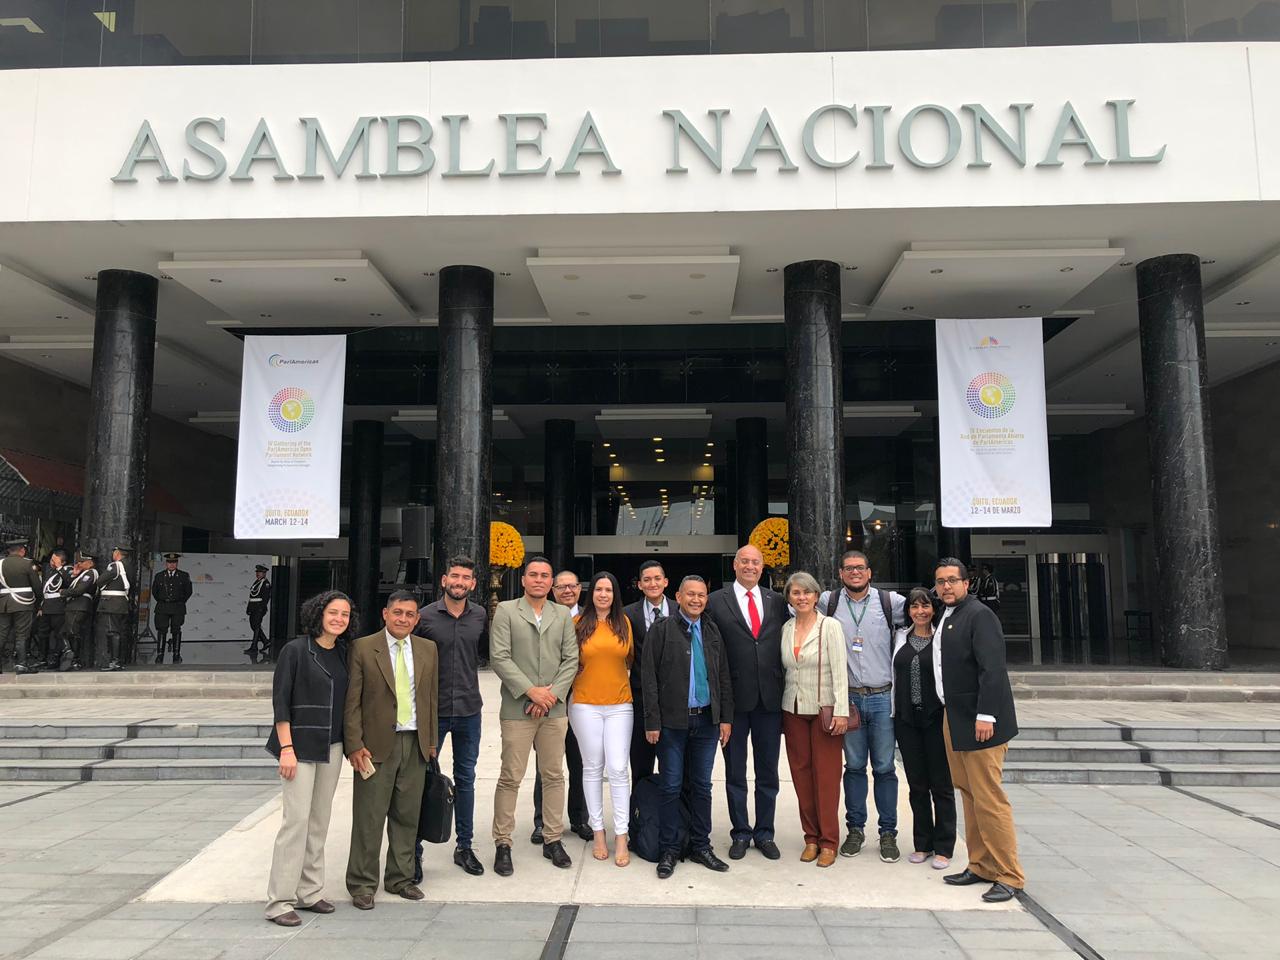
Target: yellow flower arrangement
(772, 538)
(506, 548)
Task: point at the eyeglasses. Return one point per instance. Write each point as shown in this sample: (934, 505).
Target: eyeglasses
(856, 568)
(566, 586)
(949, 581)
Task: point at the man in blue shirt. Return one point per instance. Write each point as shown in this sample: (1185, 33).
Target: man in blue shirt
(687, 698)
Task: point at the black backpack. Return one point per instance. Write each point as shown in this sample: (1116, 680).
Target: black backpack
(645, 830)
(886, 605)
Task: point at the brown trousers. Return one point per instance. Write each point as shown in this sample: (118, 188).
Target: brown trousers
(545, 736)
(817, 768)
(989, 832)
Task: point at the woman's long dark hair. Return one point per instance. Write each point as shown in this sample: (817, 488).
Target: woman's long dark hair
(617, 620)
(311, 616)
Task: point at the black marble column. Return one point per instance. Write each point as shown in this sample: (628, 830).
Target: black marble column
(422, 472)
(464, 418)
(557, 499)
(282, 602)
(1191, 618)
(583, 488)
(815, 416)
(750, 474)
(119, 423)
(364, 525)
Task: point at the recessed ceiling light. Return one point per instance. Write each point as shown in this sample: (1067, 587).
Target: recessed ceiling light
(607, 444)
(571, 276)
(201, 383)
(503, 273)
(695, 313)
(89, 276)
(60, 317)
(1207, 261)
(1126, 263)
(1024, 306)
(614, 455)
(770, 269)
(165, 276)
(657, 439)
(1269, 343)
(1108, 375)
(936, 270)
(509, 501)
(375, 314)
(658, 450)
(1065, 269)
(850, 267)
(584, 313)
(46, 356)
(1243, 303)
(908, 308)
(706, 454)
(265, 316)
(711, 443)
(428, 273)
(214, 280)
(661, 459)
(635, 296)
(697, 276)
(339, 279)
(662, 489)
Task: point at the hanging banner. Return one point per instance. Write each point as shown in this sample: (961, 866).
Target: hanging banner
(290, 452)
(994, 441)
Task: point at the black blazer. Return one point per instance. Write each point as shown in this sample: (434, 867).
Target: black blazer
(667, 655)
(635, 613)
(755, 663)
(974, 677)
(304, 692)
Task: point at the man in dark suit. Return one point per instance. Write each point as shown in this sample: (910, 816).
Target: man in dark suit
(750, 618)
(653, 608)
(170, 590)
(979, 722)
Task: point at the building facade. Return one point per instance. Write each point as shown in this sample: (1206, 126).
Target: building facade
(634, 276)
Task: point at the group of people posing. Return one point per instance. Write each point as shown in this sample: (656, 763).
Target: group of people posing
(841, 676)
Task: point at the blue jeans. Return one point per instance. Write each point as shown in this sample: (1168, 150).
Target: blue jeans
(466, 747)
(874, 737)
(685, 761)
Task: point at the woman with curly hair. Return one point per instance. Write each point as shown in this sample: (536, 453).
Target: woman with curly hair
(309, 691)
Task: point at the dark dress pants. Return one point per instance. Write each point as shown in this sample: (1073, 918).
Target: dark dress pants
(577, 798)
(764, 727)
(686, 758)
(932, 798)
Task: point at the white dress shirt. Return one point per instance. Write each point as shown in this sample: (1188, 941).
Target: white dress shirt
(408, 662)
(937, 662)
(649, 607)
(741, 592)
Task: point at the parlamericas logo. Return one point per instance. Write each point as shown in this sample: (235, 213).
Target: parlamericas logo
(991, 395)
(291, 410)
(275, 360)
(988, 342)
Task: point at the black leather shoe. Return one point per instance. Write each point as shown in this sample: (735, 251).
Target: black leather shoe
(768, 848)
(582, 831)
(964, 878)
(738, 849)
(177, 659)
(21, 668)
(160, 658)
(999, 893)
(666, 865)
(557, 854)
(709, 860)
(466, 859)
(502, 861)
(536, 836)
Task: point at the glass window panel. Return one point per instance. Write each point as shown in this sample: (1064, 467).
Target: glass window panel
(194, 31)
(765, 26)
(1003, 24)
(381, 30)
(924, 24)
(1233, 19)
(1161, 21)
(481, 30)
(1060, 22)
(82, 39)
(844, 24)
(31, 33)
(577, 28)
(637, 28)
(305, 31)
(121, 40)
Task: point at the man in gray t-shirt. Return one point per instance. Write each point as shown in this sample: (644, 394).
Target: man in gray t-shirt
(860, 609)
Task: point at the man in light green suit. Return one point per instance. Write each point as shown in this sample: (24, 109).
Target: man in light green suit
(534, 651)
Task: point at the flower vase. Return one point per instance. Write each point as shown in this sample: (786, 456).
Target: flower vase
(495, 584)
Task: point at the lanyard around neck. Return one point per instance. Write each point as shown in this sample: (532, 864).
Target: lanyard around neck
(865, 601)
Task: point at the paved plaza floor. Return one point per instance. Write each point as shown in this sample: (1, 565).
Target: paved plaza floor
(177, 870)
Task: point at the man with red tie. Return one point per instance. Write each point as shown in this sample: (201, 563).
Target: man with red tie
(750, 618)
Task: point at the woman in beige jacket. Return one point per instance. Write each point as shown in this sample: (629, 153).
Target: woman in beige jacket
(813, 658)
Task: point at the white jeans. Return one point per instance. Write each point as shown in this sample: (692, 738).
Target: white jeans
(604, 737)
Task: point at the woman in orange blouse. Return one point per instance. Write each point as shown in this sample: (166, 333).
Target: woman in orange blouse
(600, 710)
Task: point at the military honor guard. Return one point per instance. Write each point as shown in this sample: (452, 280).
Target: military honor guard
(53, 609)
(170, 591)
(19, 587)
(256, 609)
(109, 622)
(77, 596)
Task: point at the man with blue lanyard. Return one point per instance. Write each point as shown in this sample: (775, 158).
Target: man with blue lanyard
(868, 616)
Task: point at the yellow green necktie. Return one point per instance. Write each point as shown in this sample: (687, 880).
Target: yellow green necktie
(404, 691)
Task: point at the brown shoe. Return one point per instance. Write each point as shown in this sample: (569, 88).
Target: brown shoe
(810, 853)
(412, 892)
(320, 906)
(362, 901)
(289, 919)
(826, 858)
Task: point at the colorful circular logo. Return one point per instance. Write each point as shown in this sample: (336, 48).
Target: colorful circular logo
(291, 410)
(991, 395)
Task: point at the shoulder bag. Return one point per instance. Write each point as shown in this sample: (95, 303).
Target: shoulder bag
(827, 715)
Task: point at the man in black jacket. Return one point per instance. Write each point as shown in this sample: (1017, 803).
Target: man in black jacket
(110, 619)
(688, 700)
(53, 610)
(170, 590)
(750, 618)
(643, 614)
(978, 724)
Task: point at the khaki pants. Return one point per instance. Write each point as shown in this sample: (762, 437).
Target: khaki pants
(989, 832)
(392, 796)
(297, 864)
(546, 737)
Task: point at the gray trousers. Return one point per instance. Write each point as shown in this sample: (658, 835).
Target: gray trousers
(392, 796)
(297, 863)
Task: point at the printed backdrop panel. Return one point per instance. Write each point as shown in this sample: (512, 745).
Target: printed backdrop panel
(992, 423)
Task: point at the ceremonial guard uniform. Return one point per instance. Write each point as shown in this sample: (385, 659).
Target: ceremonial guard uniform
(53, 609)
(19, 587)
(170, 591)
(113, 610)
(256, 609)
(78, 596)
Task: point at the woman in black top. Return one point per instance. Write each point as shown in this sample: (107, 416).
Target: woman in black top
(917, 711)
(309, 690)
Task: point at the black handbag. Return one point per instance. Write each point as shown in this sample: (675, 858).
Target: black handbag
(435, 819)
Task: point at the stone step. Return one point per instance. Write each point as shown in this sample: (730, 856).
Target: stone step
(24, 689)
(264, 769)
(1131, 678)
(151, 748)
(114, 731)
(1149, 731)
(1096, 752)
(139, 676)
(1165, 774)
(1151, 692)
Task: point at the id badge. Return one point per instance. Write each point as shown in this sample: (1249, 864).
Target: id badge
(856, 644)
